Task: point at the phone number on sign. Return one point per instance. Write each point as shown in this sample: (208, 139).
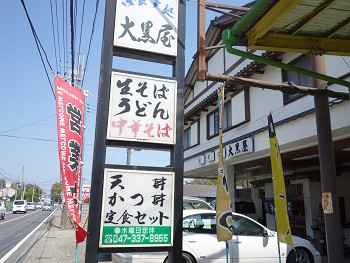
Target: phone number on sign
(137, 238)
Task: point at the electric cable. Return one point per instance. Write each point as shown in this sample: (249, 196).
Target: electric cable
(29, 124)
(72, 38)
(92, 33)
(64, 40)
(58, 40)
(66, 30)
(38, 41)
(53, 33)
(81, 26)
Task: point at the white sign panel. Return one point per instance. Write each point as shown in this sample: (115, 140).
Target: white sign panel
(137, 209)
(148, 25)
(241, 147)
(142, 109)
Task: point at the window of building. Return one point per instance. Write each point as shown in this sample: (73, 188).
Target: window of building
(213, 123)
(191, 135)
(187, 138)
(303, 62)
(213, 120)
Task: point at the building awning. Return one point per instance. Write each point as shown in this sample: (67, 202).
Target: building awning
(302, 26)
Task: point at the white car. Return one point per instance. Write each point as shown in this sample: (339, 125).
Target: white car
(251, 243)
(46, 207)
(2, 210)
(19, 206)
(31, 206)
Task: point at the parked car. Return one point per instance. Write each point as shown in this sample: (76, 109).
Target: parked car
(46, 207)
(251, 242)
(2, 210)
(38, 206)
(190, 203)
(31, 206)
(19, 206)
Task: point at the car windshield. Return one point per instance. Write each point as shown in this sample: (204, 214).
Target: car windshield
(195, 204)
(19, 202)
(206, 223)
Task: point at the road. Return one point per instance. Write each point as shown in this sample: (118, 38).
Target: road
(15, 227)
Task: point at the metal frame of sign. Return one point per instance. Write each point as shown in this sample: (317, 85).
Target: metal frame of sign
(101, 142)
(144, 218)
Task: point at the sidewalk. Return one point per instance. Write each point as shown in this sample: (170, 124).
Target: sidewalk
(57, 245)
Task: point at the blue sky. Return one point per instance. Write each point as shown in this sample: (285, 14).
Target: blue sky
(28, 137)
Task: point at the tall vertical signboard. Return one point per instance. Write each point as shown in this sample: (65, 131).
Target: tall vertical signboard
(134, 208)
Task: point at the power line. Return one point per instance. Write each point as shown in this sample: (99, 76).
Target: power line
(64, 38)
(36, 139)
(81, 26)
(53, 33)
(12, 179)
(27, 138)
(92, 33)
(36, 38)
(72, 38)
(58, 38)
(26, 125)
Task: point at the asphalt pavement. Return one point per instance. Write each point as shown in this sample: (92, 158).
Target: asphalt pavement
(57, 245)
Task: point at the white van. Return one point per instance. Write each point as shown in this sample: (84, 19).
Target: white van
(19, 206)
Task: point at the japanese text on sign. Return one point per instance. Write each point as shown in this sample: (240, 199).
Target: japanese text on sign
(238, 148)
(70, 105)
(142, 109)
(154, 31)
(136, 214)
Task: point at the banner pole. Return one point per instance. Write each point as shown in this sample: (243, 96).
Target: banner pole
(278, 240)
(81, 175)
(226, 251)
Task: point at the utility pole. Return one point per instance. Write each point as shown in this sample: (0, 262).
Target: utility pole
(22, 194)
(16, 191)
(33, 192)
(79, 70)
(128, 156)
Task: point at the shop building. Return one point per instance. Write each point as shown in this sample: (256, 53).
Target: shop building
(245, 134)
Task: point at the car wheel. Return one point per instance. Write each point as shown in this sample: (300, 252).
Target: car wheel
(301, 255)
(186, 258)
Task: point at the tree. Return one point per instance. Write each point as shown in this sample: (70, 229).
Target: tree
(56, 192)
(28, 195)
(32, 192)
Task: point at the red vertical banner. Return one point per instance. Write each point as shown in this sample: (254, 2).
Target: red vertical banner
(70, 106)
